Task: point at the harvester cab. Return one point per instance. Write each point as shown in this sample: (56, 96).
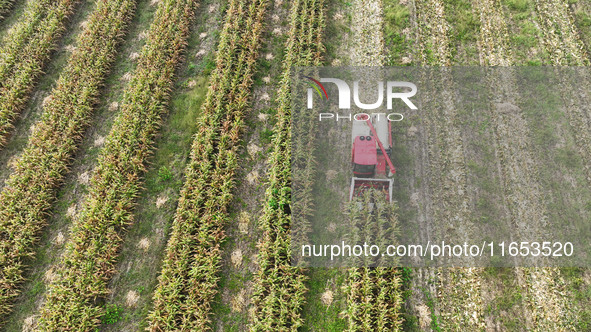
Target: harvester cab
(370, 155)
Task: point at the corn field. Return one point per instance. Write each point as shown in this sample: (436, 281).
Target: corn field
(185, 291)
(42, 165)
(154, 162)
(25, 49)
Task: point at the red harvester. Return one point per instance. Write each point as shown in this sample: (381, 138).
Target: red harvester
(370, 156)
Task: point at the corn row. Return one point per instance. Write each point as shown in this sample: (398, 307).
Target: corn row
(279, 287)
(188, 281)
(5, 6)
(373, 299)
(25, 54)
(303, 164)
(18, 35)
(373, 293)
(91, 252)
(44, 162)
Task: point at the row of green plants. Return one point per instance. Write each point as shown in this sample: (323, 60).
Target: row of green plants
(279, 289)
(373, 288)
(31, 188)
(18, 35)
(304, 130)
(26, 49)
(73, 299)
(374, 299)
(5, 6)
(190, 272)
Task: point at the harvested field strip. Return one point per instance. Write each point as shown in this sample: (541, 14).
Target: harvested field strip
(406, 188)
(463, 306)
(463, 31)
(91, 252)
(190, 270)
(24, 54)
(578, 113)
(42, 166)
(433, 49)
(564, 178)
(486, 205)
(566, 47)
(433, 45)
(493, 39)
(367, 35)
(433, 33)
(520, 177)
(279, 289)
(581, 13)
(521, 21)
(561, 38)
(398, 33)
